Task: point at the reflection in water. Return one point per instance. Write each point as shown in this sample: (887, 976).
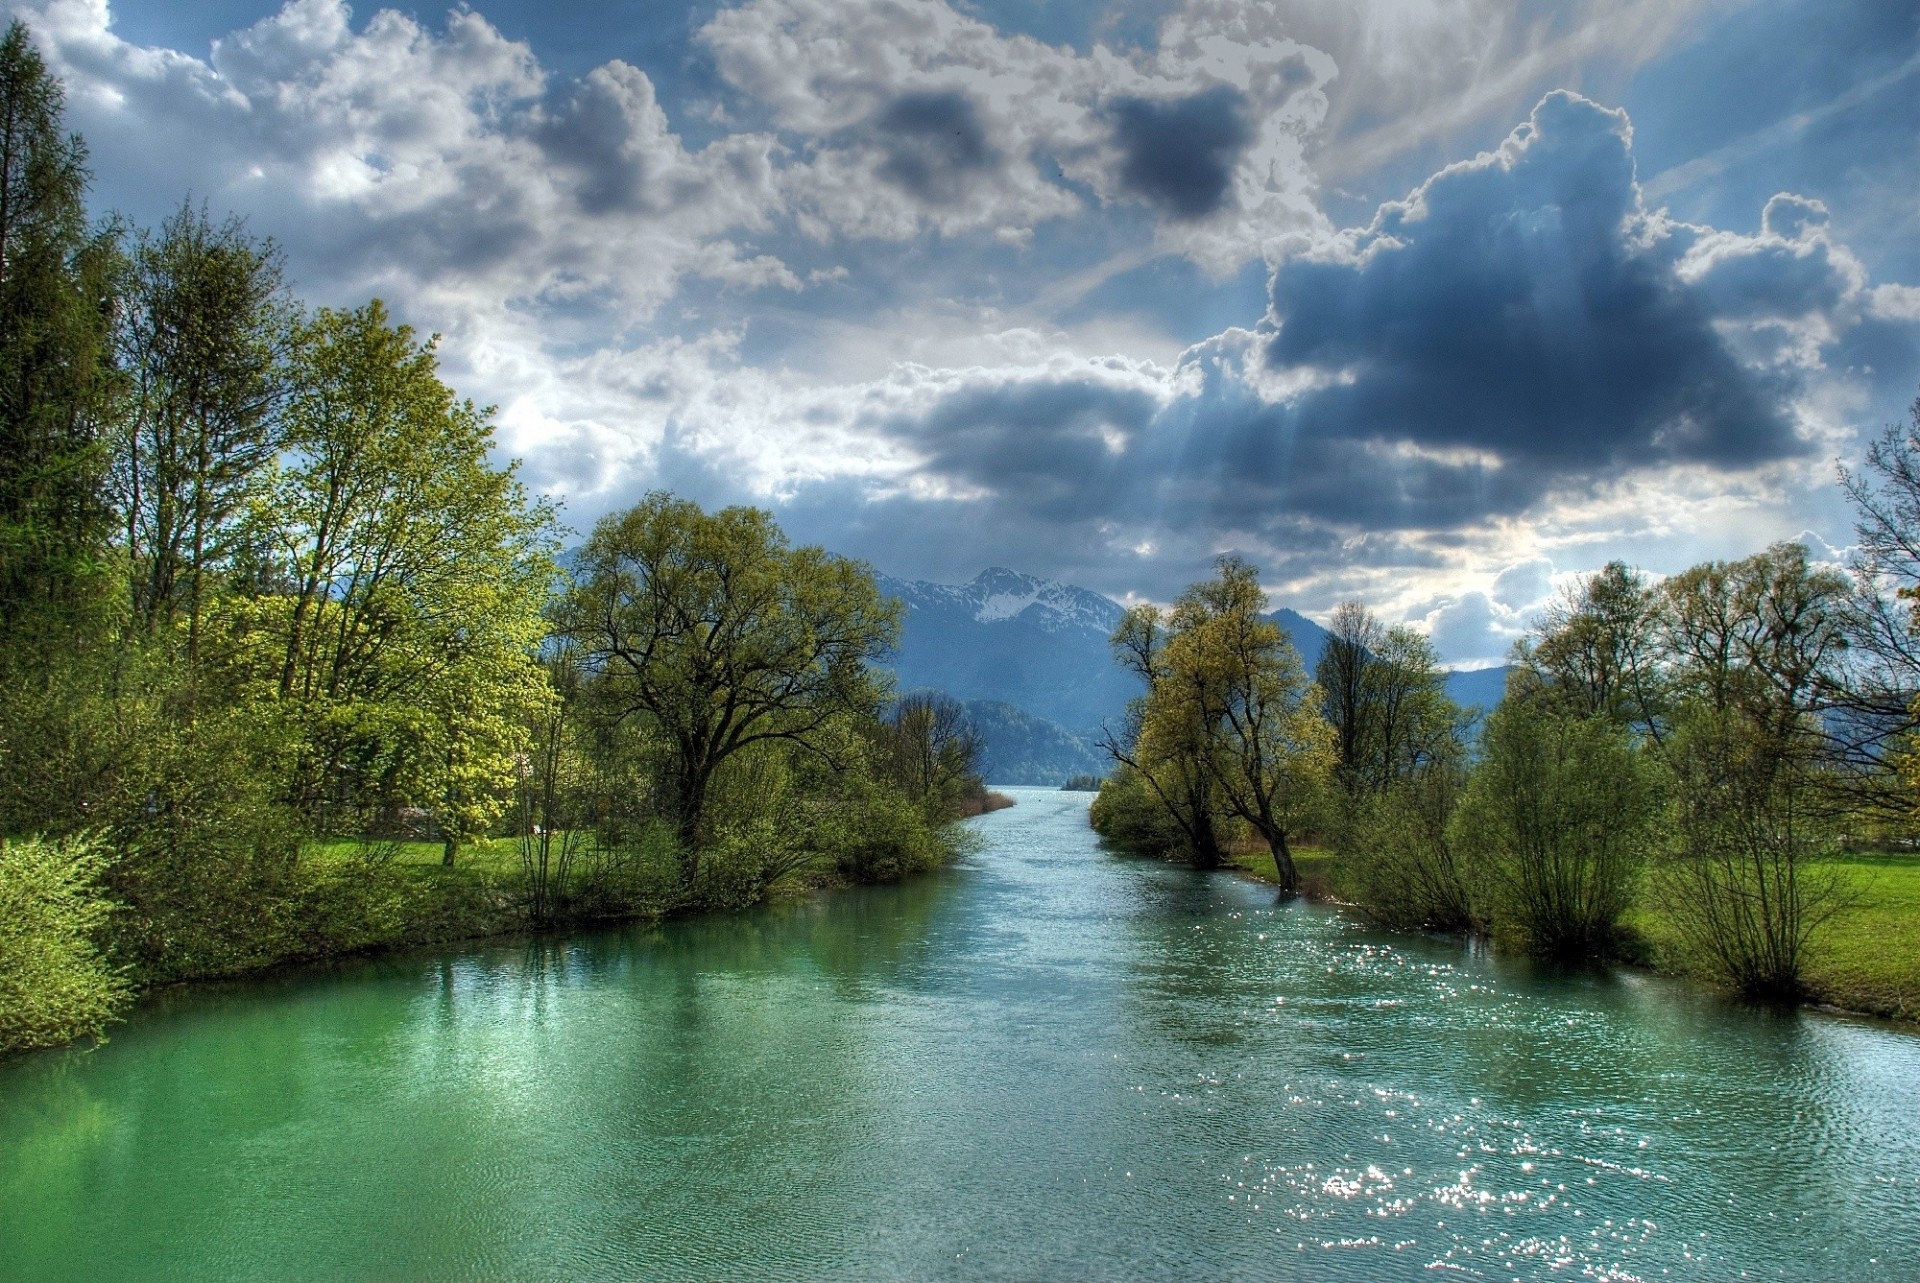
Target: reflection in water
(1050, 1062)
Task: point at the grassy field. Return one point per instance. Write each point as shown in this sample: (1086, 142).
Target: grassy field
(495, 855)
(1866, 957)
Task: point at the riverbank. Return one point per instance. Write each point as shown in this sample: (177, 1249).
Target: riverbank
(345, 899)
(1866, 957)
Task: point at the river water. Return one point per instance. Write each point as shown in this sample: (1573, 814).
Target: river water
(1046, 1063)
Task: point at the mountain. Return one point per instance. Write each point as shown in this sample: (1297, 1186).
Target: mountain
(1309, 638)
(1017, 639)
(1031, 660)
(1479, 688)
(1024, 749)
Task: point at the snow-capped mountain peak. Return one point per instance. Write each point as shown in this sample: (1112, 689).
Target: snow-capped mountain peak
(997, 595)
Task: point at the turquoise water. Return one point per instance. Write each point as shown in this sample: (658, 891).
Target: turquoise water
(1047, 1063)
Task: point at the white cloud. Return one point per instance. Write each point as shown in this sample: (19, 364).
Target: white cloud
(915, 117)
(434, 166)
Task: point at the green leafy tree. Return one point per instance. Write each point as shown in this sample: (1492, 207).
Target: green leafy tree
(1230, 723)
(56, 307)
(1754, 649)
(1597, 650)
(203, 339)
(1556, 825)
(717, 635)
(1162, 749)
(407, 578)
(933, 752)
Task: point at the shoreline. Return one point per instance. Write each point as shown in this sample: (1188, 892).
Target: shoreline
(1315, 889)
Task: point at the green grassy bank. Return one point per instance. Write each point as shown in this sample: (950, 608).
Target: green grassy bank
(1866, 957)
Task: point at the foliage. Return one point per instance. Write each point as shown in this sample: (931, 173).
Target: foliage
(406, 582)
(717, 636)
(1555, 827)
(1405, 868)
(56, 376)
(1753, 647)
(932, 752)
(1229, 726)
(1128, 814)
(55, 983)
(204, 331)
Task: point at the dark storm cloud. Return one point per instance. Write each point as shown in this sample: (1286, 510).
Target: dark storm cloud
(1521, 327)
(1179, 154)
(1047, 444)
(590, 136)
(1515, 307)
(935, 145)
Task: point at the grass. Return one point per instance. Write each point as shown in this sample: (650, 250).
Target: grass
(492, 855)
(1865, 958)
(1868, 956)
(1315, 865)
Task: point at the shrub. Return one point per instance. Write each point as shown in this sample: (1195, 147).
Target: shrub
(1404, 868)
(1555, 824)
(55, 984)
(1128, 815)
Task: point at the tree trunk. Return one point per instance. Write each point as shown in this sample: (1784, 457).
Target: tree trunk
(449, 846)
(1283, 865)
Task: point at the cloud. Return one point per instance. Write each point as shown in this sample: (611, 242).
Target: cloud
(1180, 153)
(1520, 350)
(440, 167)
(911, 116)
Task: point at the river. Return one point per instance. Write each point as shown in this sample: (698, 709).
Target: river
(1048, 1063)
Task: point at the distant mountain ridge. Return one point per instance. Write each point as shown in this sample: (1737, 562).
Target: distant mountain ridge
(1031, 659)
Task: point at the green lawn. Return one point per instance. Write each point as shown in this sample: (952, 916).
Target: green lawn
(494, 855)
(1867, 957)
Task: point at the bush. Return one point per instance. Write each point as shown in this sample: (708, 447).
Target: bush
(55, 984)
(1403, 867)
(1127, 814)
(1555, 826)
(876, 834)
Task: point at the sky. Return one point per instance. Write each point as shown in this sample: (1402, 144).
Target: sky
(1436, 304)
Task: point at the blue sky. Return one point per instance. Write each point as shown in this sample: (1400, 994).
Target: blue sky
(1434, 304)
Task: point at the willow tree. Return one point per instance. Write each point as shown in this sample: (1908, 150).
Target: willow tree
(716, 635)
(1229, 720)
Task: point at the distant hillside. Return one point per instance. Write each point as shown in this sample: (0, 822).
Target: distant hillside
(1024, 749)
(1037, 647)
(1014, 638)
(1480, 688)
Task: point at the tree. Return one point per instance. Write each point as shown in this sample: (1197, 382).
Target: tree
(1353, 638)
(1556, 824)
(1163, 746)
(1595, 648)
(933, 752)
(1753, 649)
(1875, 716)
(406, 579)
(1229, 719)
(720, 636)
(1385, 698)
(204, 339)
(56, 308)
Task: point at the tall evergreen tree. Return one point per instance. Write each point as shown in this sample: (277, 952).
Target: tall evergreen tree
(56, 306)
